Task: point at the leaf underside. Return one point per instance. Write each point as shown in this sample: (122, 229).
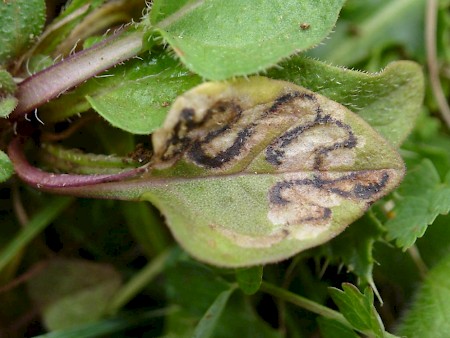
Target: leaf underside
(254, 171)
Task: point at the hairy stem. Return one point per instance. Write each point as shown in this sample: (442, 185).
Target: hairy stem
(55, 80)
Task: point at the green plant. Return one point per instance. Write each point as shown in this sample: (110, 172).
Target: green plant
(257, 154)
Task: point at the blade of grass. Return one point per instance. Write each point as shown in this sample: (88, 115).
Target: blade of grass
(38, 223)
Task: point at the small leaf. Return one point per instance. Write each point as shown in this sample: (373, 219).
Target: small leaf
(330, 328)
(6, 167)
(429, 315)
(73, 292)
(389, 101)
(250, 279)
(219, 40)
(205, 327)
(21, 22)
(7, 89)
(254, 171)
(422, 198)
(358, 308)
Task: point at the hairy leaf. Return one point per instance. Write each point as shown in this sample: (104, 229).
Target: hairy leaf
(134, 97)
(21, 21)
(254, 171)
(218, 39)
(73, 292)
(422, 197)
(429, 315)
(358, 309)
(389, 101)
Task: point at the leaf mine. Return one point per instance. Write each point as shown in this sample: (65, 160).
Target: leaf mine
(262, 169)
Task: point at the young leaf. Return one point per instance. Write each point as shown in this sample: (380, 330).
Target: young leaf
(219, 40)
(6, 167)
(73, 292)
(429, 314)
(358, 309)
(21, 22)
(254, 171)
(389, 101)
(422, 198)
(7, 88)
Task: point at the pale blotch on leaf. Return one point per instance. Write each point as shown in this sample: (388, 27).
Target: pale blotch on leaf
(265, 169)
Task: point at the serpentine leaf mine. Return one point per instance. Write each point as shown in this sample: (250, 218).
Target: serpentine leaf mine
(259, 169)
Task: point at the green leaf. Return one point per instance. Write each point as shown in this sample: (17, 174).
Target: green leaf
(219, 40)
(6, 167)
(207, 324)
(134, 97)
(429, 315)
(389, 101)
(354, 248)
(250, 279)
(330, 328)
(358, 309)
(254, 171)
(368, 26)
(7, 89)
(22, 22)
(73, 292)
(422, 197)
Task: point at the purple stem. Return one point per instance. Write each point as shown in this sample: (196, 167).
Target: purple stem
(55, 80)
(50, 181)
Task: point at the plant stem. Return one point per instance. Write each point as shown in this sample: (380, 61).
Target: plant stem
(55, 80)
(138, 282)
(432, 60)
(304, 303)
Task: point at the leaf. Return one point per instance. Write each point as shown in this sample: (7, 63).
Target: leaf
(429, 315)
(250, 279)
(389, 101)
(21, 21)
(134, 97)
(219, 40)
(6, 167)
(205, 327)
(254, 171)
(73, 292)
(354, 248)
(368, 26)
(358, 309)
(7, 89)
(330, 328)
(422, 198)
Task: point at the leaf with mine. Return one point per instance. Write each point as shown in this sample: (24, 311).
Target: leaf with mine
(254, 171)
(21, 21)
(220, 39)
(389, 101)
